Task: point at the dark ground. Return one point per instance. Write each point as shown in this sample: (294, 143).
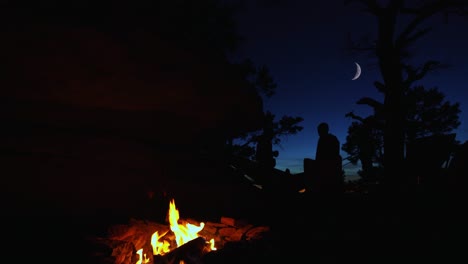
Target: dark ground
(52, 225)
(354, 228)
(366, 229)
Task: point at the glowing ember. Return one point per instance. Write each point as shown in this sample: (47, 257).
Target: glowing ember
(143, 258)
(212, 244)
(183, 233)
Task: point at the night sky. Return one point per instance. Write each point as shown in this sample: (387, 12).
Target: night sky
(305, 45)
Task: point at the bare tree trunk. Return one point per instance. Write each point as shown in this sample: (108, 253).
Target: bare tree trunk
(391, 69)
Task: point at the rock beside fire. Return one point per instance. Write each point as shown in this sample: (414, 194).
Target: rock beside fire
(123, 242)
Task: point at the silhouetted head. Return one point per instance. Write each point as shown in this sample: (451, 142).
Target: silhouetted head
(322, 129)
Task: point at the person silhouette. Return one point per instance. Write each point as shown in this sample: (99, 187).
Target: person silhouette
(328, 146)
(328, 160)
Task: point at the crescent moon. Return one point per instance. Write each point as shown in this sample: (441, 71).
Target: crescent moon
(358, 71)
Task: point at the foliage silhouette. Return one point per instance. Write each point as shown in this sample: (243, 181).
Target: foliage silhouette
(427, 115)
(391, 49)
(245, 146)
(270, 132)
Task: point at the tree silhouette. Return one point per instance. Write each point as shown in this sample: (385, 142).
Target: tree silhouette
(364, 143)
(270, 131)
(391, 48)
(259, 77)
(427, 114)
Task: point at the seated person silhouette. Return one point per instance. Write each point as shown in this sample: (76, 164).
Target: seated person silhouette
(328, 176)
(328, 147)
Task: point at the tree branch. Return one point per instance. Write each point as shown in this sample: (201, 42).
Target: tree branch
(416, 74)
(353, 116)
(380, 87)
(252, 139)
(410, 39)
(370, 6)
(372, 103)
(423, 13)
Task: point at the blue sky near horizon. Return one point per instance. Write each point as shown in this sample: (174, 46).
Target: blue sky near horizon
(304, 44)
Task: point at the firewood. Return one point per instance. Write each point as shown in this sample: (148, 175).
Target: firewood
(112, 251)
(256, 233)
(227, 231)
(233, 222)
(239, 234)
(228, 221)
(190, 252)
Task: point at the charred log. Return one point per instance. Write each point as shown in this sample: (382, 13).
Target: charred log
(190, 253)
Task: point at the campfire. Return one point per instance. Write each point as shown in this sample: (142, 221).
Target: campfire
(183, 232)
(183, 241)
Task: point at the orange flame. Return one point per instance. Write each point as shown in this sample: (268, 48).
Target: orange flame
(183, 234)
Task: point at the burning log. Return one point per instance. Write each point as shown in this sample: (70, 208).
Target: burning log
(137, 231)
(143, 242)
(190, 253)
(108, 251)
(123, 241)
(231, 230)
